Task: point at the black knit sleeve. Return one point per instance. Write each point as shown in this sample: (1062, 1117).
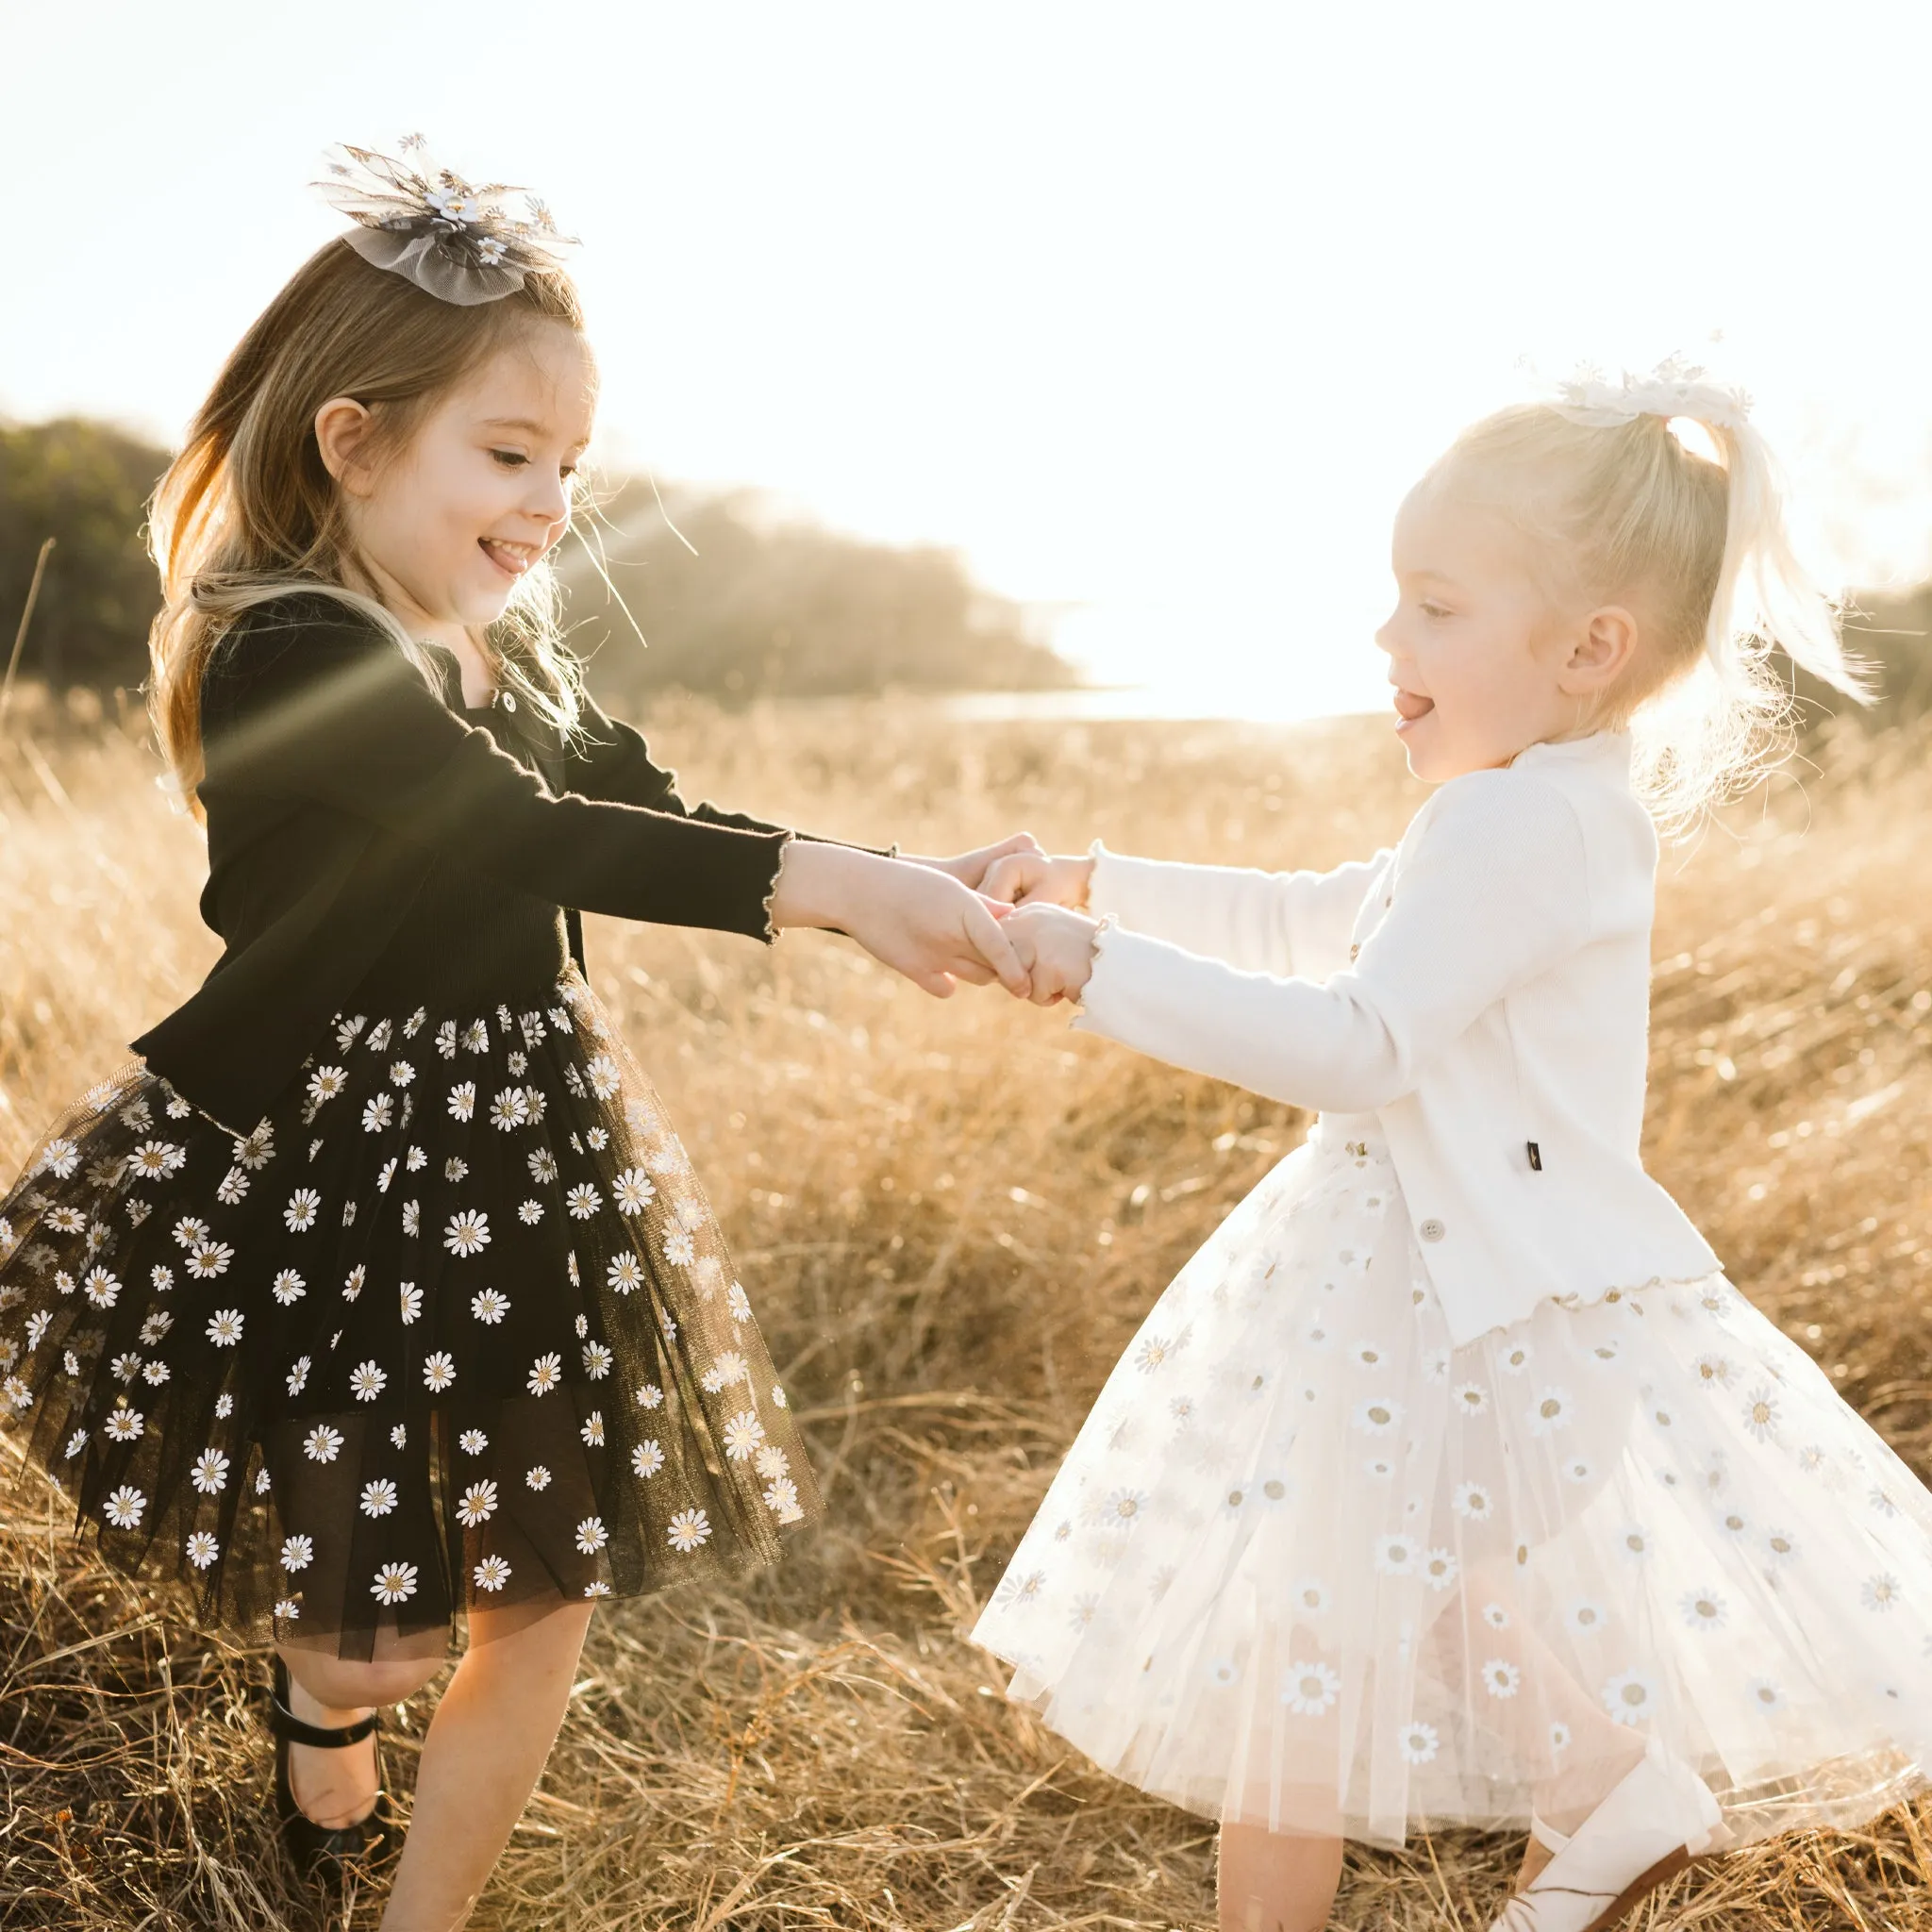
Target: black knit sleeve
(329, 710)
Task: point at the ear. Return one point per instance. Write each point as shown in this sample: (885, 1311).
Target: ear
(341, 430)
(1601, 655)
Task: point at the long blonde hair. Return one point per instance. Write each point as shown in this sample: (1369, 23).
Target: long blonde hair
(248, 511)
(1622, 509)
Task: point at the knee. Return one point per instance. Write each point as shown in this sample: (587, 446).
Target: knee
(349, 1686)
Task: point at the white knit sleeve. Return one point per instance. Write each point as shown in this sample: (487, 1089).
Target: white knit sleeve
(1489, 888)
(1264, 922)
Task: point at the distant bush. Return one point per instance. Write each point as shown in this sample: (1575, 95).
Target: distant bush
(771, 606)
(86, 485)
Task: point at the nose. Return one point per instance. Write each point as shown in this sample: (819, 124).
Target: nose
(549, 497)
(1385, 640)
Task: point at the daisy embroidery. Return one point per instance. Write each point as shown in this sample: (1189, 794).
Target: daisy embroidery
(203, 1549)
(124, 1507)
(207, 1260)
(438, 1370)
(545, 1373)
(730, 1367)
(394, 1583)
(322, 1443)
(379, 1497)
(477, 1504)
(298, 1551)
(536, 1478)
(1471, 1398)
(781, 1498)
(154, 1160)
(387, 1174)
(58, 1157)
(583, 1201)
(679, 1249)
(602, 1075)
(455, 1168)
(100, 1288)
(542, 1165)
(625, 1274)
(1551, 1412)
(410, 1297)
(305, 1203)
(298, 1375)
(326, 1083)
(210, 1471)
(633, 1188)
(1500, 1679)
(650, 1396)
(412, 1217)
(1880, 1592)
(225, 1327)
(647, 1458)
(489, 1306)
(492, 1572)
(288, 1286)
(378, 1113)
(597, 1360)
(591, 1535)
(1310, 1690)
(1629, 1697)
(688, 1529)
(367, 1381)
(352, 1282)
(1418, 1742)
(467, 1233)
(529, 1213)
(473, 1442)
(401, 1074)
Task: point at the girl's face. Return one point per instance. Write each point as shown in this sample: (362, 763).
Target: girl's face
(1483, 664)
(480, 493)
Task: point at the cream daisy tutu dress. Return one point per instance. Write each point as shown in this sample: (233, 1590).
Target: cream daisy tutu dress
(1317, 1561)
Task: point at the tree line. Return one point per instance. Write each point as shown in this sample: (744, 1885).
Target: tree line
(767, 606)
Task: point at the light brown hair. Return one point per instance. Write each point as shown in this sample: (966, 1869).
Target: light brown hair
(248, 510)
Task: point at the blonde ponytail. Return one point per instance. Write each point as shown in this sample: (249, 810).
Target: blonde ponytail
(1703, 547)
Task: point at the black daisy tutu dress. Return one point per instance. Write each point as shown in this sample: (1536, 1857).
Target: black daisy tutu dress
(453, 1326)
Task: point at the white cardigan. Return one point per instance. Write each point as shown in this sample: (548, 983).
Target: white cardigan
(1483, 989)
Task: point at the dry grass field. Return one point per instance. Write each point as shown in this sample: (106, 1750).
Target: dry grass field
(950, 1216)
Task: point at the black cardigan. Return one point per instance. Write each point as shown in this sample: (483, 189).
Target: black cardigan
(335, 776)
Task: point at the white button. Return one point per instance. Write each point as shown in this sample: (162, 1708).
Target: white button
(1354, 952)
(509, 700)
(1431, 1230)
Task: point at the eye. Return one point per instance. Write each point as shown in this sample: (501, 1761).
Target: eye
(510, 458)
(1430, 609)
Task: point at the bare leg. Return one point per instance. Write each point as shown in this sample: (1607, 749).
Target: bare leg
(481, 1759)
(338, 1788)
(1269, 1881)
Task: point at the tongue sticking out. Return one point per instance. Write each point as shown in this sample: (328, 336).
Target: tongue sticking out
(1409, 706)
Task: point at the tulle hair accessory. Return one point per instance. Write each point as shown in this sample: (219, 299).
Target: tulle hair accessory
(460, 242)
(1764, 594)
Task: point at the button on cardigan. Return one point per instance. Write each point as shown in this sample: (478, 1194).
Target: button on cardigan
(336, 777)
(1482, 988)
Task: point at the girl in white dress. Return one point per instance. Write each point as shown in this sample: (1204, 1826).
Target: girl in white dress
(1451, 1482)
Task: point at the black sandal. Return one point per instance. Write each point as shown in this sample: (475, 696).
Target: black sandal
(319, 1852)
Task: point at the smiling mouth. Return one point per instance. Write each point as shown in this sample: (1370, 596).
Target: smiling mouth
(513, 559)
(1409, 706)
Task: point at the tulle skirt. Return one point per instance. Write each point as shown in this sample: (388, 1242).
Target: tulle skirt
(454, 1327)
(1309, 1568)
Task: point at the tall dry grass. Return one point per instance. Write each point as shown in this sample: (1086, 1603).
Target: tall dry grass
(950, 1216)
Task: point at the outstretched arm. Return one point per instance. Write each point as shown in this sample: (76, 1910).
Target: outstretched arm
(1283, 922)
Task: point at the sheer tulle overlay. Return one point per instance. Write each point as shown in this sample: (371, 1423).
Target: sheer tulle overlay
(1308, 1566)
(453, 1326)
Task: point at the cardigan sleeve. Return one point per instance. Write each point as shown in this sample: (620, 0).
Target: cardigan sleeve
(329, 711)
(1490, 889)
(1283, 922)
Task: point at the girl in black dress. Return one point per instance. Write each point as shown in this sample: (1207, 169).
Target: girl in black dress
(380, 1294)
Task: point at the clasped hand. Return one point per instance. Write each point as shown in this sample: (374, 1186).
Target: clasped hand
(1000, 912)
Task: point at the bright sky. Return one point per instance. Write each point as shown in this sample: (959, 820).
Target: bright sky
(1153, 310)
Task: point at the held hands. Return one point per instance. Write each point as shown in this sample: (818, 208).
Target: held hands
(1054, 944)
(919, 919)
(1023, 876)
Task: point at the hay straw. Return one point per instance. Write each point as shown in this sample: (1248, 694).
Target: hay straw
(951, 1217)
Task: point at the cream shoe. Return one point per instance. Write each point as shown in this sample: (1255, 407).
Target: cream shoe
(1654, 1823)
